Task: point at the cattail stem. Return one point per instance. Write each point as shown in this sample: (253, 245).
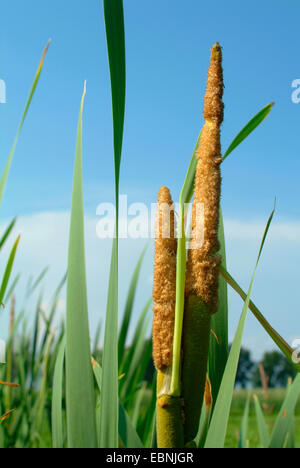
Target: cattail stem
(168, 417)
(195, 343)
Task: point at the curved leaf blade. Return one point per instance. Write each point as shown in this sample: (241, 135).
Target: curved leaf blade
(284, 419)
(217, 430)
(5, 173)
(278, 340)
(249, 127)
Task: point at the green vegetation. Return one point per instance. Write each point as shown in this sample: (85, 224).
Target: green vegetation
(271, 402)
(66, 395)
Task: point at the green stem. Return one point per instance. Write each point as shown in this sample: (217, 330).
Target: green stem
(179, 307)
(195, 342)
(168, 417)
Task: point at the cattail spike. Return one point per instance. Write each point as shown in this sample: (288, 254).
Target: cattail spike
(213, 105)
(203, 262)
(164, 287)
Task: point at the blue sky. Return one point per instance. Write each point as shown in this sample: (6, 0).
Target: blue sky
(167, 46)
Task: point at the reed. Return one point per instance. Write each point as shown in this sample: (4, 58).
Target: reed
(55, 392)
(203, 261)
(168, 408)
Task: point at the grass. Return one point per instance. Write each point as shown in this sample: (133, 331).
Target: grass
(273, 399)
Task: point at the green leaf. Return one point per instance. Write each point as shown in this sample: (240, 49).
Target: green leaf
(127, 433)
(115, 36)
(41, 401)
(249, 127)
(38, 281)
(80, 398)
(185, 197)
(129, 306)
(137, 358)
(261, 424)
(218, 349)
(285, 417)
(244, 426)
(129, 357)
(12, 288)
(189, 182)
(8, 270)
(278, 340)
(56, 409)
(109, 393)
(97, 336)
(5, 173)
(149, 423)
(7, 232)
(203, 426)
(217, 430)
(35, 339)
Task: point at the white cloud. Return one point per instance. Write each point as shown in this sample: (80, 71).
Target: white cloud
(44, 241)
(253, 230)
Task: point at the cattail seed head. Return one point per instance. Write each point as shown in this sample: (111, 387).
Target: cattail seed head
(164, 286)
(213, 105)
(203, 262)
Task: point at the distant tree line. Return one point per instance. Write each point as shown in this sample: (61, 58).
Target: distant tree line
(273, 370)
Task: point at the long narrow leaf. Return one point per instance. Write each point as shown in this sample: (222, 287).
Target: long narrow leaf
(249, 127)
(8, 269)
(56, 409)
(115, 36)
(261, 424)
(280, 342)
(12, 152)
(185, 197)
(7, 232)
(244, 426)
(12, 288)
(284, 419)
(218, 348)
(127, 432)
(129, 306)
(217, 430)
(80, 399)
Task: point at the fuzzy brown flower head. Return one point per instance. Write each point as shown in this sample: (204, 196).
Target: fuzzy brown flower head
(164, 286)
(213, 105)
(203, 262)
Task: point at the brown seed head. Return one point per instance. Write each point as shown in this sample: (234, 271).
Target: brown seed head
(213, 105)
(164, 286)
(203, 262)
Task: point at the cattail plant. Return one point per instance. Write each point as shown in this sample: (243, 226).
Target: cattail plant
(201, 280)
(170, 431)
(90, 405)
(203, 260)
